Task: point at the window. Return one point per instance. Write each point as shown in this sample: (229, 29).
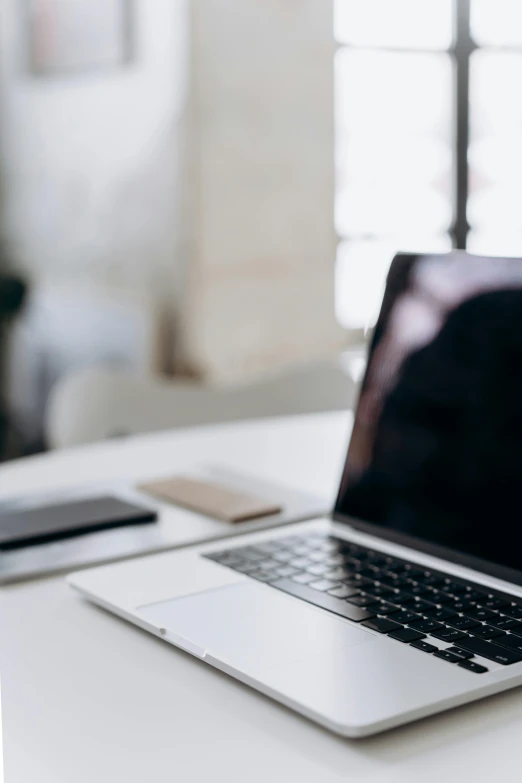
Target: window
(429, 137)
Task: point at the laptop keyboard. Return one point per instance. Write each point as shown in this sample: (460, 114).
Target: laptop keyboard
(388, 595)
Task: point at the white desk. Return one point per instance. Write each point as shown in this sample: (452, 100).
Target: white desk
(88, 698)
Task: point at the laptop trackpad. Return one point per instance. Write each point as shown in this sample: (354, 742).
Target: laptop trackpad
(252, 626)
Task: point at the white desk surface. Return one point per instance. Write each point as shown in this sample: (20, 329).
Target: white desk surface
(88, 698)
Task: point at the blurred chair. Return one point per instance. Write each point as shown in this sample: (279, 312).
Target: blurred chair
(99, 403)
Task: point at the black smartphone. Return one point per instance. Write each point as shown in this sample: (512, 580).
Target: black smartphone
(64, 520)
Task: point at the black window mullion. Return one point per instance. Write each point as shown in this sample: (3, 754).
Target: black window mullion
(464, 48)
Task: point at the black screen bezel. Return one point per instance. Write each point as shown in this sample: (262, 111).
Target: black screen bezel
(413, 542)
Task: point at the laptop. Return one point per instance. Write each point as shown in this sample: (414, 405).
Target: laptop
(407, 601)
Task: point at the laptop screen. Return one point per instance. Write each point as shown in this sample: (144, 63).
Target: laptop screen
(435, 457)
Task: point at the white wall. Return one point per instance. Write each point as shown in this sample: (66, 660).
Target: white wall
(90, 164)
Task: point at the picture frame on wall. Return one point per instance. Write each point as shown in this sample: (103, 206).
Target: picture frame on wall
(66, 37)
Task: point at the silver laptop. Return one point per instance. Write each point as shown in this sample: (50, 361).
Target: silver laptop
(408, 600)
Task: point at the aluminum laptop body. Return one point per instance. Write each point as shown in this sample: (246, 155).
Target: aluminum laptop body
(408, 600)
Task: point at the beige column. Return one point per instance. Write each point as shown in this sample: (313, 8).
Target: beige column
(260, 283)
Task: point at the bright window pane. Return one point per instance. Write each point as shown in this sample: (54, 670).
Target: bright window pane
(496, 22)
(361, 271)
(391, 208)
(496, 208)
(392, 185)
(412, 24)
(377, 158)
(496, 159)
(494, 93)
(496, 195)
(394, 91)
(495, 154)
(495, 244)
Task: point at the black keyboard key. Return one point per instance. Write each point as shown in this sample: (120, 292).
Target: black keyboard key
(438, 597)
(414, 573)
(510, 641)
(363, 554)
(494, 603)
(402, 598)
(405, 617)
(474, 595)
(424, 646)
(453, 587)
(352, 563)
(508, 624)
(461, 606)
(462, 623)
(471, 666)
(325, 601)
(387, 608)
(369, 573)
(419, 591)
(389, 581)
(487, 632)
(433, 581)
(462, 653)
(382, 625)
(362, 581)
(397, 568)
(377, 560)
(514, 611)
(449, 635)
(426, 626)
(346, 547)
(407, 635)
(447, 656)
(380, 591)
(400, 583)
(490, 650)
(421, 606)
(499, 620)
(479, 613)
(439, 614)
(417, 574)
(362, 600)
